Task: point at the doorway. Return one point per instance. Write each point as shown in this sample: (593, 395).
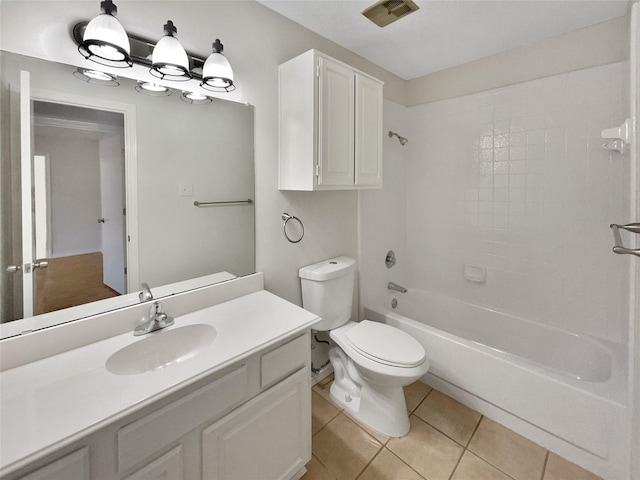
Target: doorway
(79, 205)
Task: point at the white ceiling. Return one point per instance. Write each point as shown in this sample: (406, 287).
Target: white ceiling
(445, 33)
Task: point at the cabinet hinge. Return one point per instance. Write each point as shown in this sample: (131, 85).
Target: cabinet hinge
(317, 169)
(318, 70)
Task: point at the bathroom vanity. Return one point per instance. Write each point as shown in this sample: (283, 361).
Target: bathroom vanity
(223, 393)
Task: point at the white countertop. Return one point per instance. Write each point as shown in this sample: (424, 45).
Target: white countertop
(51, 402)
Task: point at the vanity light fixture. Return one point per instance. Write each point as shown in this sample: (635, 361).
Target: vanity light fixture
(217, 74)
(105, 40)
(195, 98)
(96, 77)
(153, 89)
(169, 59)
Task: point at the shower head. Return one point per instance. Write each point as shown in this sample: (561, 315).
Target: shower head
(403, 141)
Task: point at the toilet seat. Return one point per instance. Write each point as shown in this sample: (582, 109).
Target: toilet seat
(385, 344)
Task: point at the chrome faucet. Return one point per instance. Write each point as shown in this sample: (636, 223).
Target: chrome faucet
(145, 295)
(396, 287)
(157, 320)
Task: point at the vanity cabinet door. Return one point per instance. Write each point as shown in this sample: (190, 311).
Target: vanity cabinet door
(74, 466)
(267, 438)
(168, 466)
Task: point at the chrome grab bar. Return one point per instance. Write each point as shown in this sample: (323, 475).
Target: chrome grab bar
(223, 204)
(618, 247)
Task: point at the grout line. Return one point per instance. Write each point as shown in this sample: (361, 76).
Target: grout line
(369, 463)
(544, 467)
(421, 401)
(408, 465)
(457, 463)
(474, 432)
(489, 463)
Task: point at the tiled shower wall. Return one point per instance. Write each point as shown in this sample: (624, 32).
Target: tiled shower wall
(516, 181)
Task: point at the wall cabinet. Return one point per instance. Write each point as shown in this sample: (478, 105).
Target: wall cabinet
(250, 421)
(330, 123)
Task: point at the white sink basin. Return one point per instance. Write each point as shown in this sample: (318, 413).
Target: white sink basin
(161, 349)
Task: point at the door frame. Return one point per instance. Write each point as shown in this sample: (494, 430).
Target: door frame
(130, 166)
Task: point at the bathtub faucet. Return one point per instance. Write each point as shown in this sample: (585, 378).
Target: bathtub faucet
(396, 287)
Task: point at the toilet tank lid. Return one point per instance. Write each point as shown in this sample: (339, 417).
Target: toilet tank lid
(328, 269)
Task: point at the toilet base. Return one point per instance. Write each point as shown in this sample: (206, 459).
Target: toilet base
(382, 408)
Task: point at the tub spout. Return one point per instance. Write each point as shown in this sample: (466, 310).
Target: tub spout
(396, 287)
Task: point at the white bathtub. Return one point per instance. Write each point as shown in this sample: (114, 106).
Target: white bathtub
(557, 383)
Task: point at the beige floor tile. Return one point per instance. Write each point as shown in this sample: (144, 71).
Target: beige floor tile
(449, 416)
(324, 392)
(474, 468)
(513, 454)
(560, 469)
(415, 393)
(322, 412)
(317, 471)
(386, 466)
(429, 452)
(383, 439)
(344, 448)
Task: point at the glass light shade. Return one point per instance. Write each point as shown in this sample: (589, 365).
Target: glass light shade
(106, 42)
(169, 59)
(96, 77)
(195, 98)
(217, 74)
(153, 89)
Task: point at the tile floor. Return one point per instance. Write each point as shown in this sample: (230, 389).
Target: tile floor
(447, 441)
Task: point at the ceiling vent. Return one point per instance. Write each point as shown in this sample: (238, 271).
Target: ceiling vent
(388, 11)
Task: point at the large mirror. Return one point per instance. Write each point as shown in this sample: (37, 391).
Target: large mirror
(124, 188)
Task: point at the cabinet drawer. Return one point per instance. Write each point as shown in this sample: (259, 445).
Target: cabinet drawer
(146, 436)
(168, 465)
(284, 360)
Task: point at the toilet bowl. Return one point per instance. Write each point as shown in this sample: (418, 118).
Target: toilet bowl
(372, 361)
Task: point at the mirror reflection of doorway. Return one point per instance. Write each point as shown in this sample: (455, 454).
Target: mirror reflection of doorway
(79, 205)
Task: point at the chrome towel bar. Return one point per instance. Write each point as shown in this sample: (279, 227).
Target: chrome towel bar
(618, 247)
(223, 204)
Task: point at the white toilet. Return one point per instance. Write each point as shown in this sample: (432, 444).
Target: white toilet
(372, 361)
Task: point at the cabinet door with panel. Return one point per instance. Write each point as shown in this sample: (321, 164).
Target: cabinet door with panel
(336, 136)
(368, 131)
(269, 437)
(330, 125)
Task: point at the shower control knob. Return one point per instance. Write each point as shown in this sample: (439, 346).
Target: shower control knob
(390, 259)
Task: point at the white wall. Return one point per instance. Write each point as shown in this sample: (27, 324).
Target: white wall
(383, 219)
(74, 172)
(599, 44)
(515, 180)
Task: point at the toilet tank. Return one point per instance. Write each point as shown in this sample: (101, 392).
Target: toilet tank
(327, 291)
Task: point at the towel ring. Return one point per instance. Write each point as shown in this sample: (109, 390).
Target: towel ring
(286, 217)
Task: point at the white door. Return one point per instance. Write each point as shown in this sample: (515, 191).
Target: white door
(113, 221)
(336, 139)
